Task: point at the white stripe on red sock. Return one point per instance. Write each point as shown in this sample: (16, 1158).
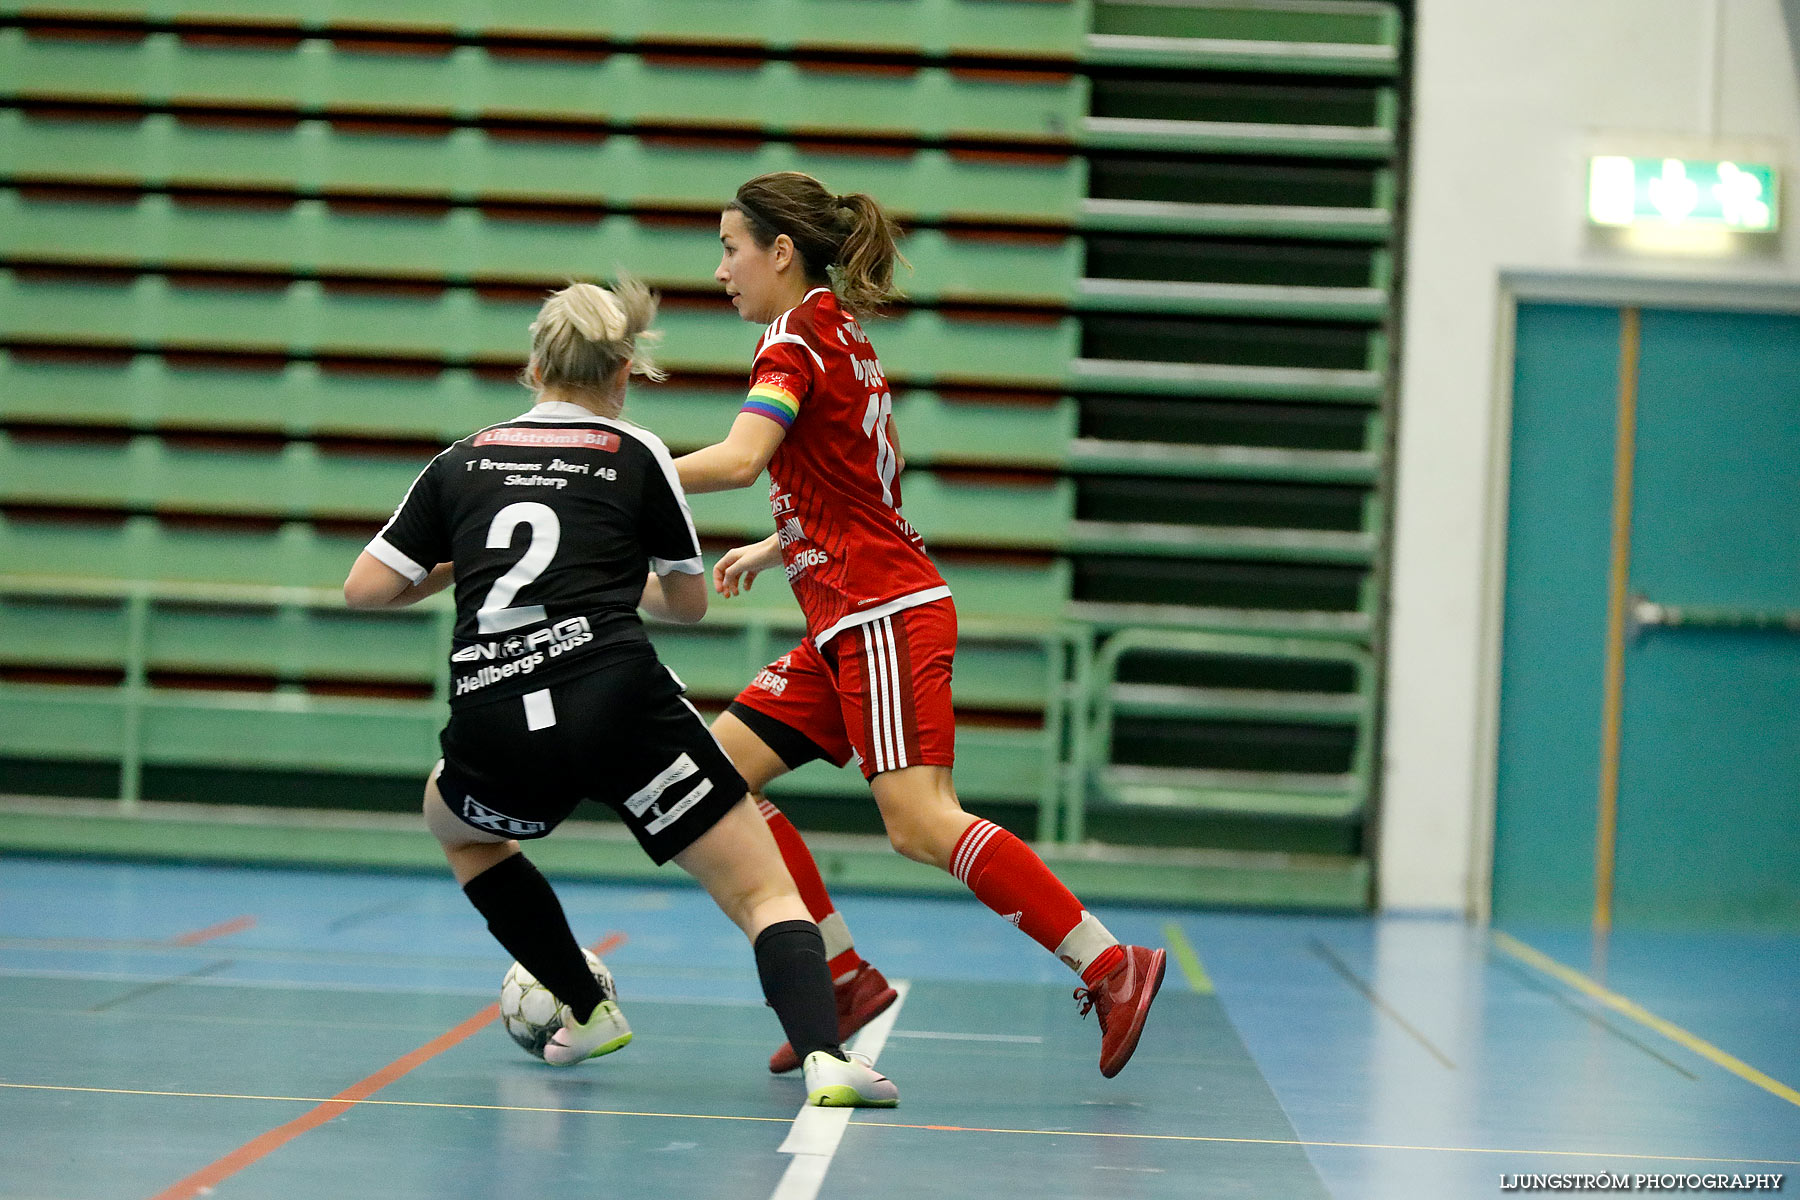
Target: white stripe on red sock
(969, 847)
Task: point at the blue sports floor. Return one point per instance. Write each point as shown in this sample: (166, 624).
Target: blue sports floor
(183, 1031)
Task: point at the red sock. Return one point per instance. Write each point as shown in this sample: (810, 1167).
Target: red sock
(840, 951)
(1007, 875)
(1104, 964)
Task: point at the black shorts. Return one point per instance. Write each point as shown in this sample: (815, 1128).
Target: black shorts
(621, 735)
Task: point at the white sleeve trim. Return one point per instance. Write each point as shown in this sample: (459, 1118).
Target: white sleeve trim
(380, 548)
(684, 566)
(660, 453)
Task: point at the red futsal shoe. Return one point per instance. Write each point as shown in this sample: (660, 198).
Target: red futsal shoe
(1123, 1001)
(860, 999)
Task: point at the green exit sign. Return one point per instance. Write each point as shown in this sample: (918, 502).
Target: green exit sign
(1667, 192)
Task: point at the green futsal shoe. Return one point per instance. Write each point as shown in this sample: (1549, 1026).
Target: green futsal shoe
(835, 1083)
(603, 1032)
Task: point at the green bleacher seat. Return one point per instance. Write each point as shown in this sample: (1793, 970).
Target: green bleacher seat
(174, 727)
(147, 473)
(1206, 196)
(1049, 29)
(459, 325)
(1252, 701)
(1029, 594)
(328, 734)
(617, 91)
(299, 480)
(1025, 28)
(1318, 222)
(1321, 22)
(1273, 138)
(1354, 385)
(108, 547)
(462, 244)
(690, 172)
(935, 429)
(260, 646)
(308, 635)
(302, 399)
(218, 631)
(1097, 456)
(1249, 35)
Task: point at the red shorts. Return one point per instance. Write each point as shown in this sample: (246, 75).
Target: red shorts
(880, 691)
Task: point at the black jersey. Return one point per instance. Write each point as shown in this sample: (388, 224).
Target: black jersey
(552, 520)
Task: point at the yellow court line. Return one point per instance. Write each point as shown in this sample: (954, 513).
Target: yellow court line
(1189, 961)
(1082, 1133)
(1620, 1004)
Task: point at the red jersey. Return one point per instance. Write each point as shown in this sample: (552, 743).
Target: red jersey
(851, 557)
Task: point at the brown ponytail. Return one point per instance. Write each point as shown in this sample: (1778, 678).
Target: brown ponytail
(846, 241)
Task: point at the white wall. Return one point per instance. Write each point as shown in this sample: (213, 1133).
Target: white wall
(1509, 99)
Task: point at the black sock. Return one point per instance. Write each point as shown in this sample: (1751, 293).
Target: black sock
(525, 916)
(790, 959)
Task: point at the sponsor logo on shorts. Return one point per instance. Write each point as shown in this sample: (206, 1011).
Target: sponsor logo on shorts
(519, 654)
(645, 797)
(485, 676)
(483, 817)
(648, 799)
(566, 634)
(770, 682)
(664, 819)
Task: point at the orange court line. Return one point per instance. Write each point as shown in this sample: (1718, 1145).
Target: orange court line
(260, 1147)
(223, 929)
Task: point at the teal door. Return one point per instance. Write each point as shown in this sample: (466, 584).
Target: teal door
(1704, 750)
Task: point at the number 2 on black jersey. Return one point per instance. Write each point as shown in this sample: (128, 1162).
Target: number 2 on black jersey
(494, 615)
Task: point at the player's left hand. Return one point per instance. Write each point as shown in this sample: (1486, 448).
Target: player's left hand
(739, 566)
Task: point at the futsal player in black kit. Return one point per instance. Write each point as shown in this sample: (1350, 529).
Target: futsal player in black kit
(556, 527)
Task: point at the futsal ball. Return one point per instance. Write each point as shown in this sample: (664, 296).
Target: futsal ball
(531, 1014)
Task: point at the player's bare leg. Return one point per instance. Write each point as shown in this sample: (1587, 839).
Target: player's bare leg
(525, 917)
(469, 850)
(861, 992)
(739, 864)
(926, 823)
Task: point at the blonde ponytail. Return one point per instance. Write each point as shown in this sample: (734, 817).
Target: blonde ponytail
(584, 332)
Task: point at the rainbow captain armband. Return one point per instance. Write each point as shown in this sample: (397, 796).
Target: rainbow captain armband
(775, 403)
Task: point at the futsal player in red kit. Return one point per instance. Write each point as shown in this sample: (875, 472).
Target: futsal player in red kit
(871, 678)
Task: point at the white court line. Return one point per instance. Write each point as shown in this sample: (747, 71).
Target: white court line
(813, 1139)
